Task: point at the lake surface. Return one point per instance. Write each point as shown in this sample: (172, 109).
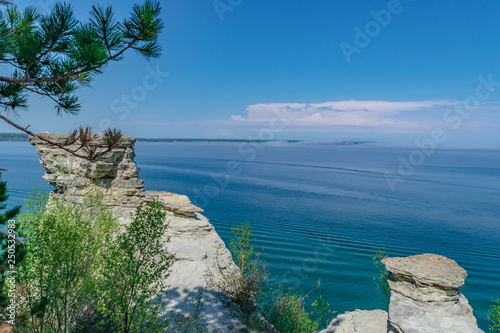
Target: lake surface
(321, 211)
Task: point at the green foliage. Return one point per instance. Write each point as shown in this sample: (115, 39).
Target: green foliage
(242, 249)
(280, 307)
(135, 270)
(244, 284)
(322, 313)
(66, 245)
(286, 311)
(11, 213)
(54, 54)
(83, 273)
(381, 279)
(494, 316)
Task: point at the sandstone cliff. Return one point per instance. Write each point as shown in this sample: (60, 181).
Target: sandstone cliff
(425, 295)
(197, 247)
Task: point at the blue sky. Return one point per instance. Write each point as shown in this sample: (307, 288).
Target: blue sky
(235, 66)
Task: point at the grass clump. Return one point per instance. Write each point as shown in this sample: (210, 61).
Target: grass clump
(267, 309)
(287, 311)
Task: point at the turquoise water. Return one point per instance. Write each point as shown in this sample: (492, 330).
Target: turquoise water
(321, 211)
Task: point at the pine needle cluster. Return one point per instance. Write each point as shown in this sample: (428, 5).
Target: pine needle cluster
(55, 54)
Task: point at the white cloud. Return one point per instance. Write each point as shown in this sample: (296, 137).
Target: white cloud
(342, 113)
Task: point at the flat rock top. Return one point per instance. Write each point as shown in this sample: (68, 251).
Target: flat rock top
(359, 322)
(430, 269)
(179, 204)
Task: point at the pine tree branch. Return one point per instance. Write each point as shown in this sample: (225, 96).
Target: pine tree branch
(71, 73)
(4, 103)
(42, 92)
(36, 91)
(45, 93)
(12, 63)
(49, 49)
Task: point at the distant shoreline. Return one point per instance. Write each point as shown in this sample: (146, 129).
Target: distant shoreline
(212, 140)
(322, 142)
(11, 137)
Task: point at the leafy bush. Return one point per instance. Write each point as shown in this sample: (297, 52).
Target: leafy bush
(244, 284)
(82, 273)
(65, 247)
(283, 309)
(381, 279)
(494, 316)
(134, 271)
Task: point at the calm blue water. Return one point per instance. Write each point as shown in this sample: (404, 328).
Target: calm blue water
(320, 212)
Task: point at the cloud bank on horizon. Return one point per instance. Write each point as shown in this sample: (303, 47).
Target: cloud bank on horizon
(376, 114)
(466, 125)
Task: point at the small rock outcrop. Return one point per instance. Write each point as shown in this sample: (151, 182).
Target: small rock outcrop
(200, 252)
(359, 322)
(425, 296)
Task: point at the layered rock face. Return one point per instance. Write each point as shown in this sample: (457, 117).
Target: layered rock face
(425, 298)
(115, 174)
(425, 295)
(199, 251)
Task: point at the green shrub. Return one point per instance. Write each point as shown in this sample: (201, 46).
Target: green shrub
(244, 284)
(494, 316)
(82, 273)
(286, 311)
(134, 272)
(280, 307)
(65, 248)
(381, 279)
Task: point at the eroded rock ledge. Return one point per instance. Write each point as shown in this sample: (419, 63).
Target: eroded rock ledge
(198, 248)
(425, 298)
(425, 295)
(114, 173)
